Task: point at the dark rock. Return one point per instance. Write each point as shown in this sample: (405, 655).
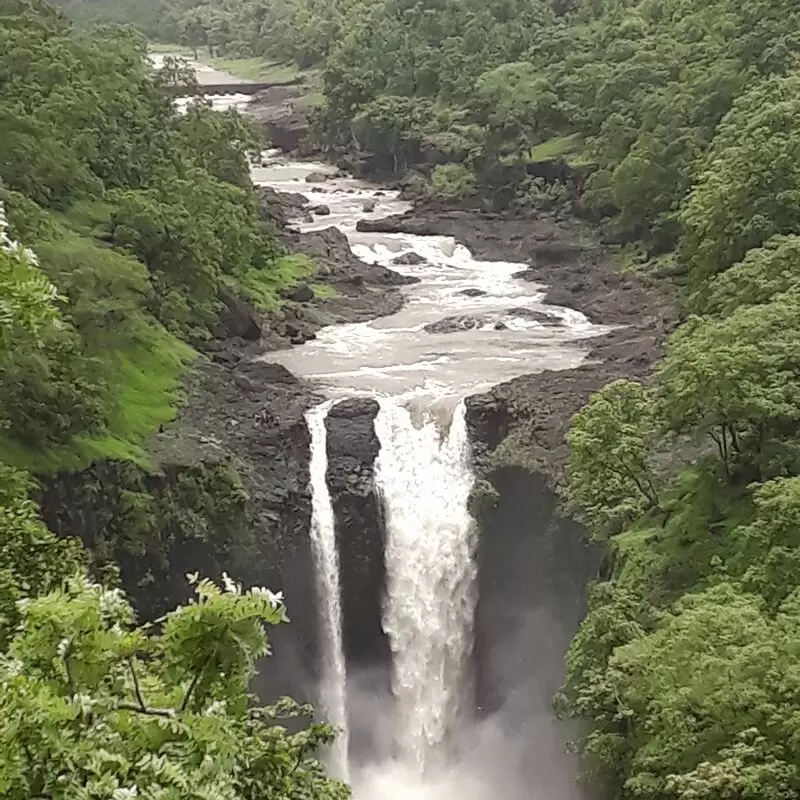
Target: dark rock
(282, 111)
(414, 186)
(410, 259)
(277, 207)
(542, 317)
(321, 210)
(534, 567)
(237, 318)
(352, 448)
(317, 177)
(300, 293)
(500, 326)
(472, 292)
(369, 206)
(398, 224)
(457, 322)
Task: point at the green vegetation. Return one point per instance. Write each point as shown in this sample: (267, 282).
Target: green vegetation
(256, 69)
(674, 122)
(93, 706)
(136, 222)
(140, 218)
(683, 666)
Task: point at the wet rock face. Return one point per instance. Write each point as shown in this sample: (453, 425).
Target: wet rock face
(244, 416)
(411, 258)
(352, 449)
(533, 569)
(238, 317)
(277, 207)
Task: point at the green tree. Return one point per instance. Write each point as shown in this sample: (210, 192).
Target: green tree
(762, 274)
(27, 298)
(747, 190)
(392, 126)
(94, 707)
(736, 380)
(611, 439)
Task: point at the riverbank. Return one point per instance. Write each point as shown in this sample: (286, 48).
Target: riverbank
(523, 422)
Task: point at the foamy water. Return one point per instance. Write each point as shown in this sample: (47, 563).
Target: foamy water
(395, 354)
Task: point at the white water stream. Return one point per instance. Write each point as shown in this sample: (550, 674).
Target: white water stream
(326, 558)
(424, 475)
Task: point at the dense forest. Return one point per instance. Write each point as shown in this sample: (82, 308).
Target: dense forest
(681, 119)
(121, 223)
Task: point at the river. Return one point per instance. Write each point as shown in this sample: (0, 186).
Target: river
(419, 369)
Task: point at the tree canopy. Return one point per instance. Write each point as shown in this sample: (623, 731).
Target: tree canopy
(121, 223)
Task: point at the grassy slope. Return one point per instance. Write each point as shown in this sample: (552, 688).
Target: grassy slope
(250, 69)
(142, 363)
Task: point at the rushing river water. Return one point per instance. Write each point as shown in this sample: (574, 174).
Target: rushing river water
(395, 355)
(423, 474)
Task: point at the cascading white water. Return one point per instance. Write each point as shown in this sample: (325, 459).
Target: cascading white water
(326, 556)
(423, 472)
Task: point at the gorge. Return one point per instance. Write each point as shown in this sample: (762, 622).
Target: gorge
(431, 642)
(487, 383)
(412, 710)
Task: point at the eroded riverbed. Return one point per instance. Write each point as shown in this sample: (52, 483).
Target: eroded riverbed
(467, 324)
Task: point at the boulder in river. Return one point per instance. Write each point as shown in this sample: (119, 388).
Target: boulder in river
(238, 317)
(471, 292)
(300, 293)
(321, 210)
(409, 259)
(317, 177)
(455, 323)
(276, 206)
(369, 206)
(542, 317)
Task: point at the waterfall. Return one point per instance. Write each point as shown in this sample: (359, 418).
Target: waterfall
(424, 475)
(326, 558)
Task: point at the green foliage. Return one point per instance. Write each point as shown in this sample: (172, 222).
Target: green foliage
(611, 478)
(736, 380)
(32, 560)
(682, 116)
(747, 190)
(453, 182)
(27, 298)
(763, 273)
(94, 155)
(263, 287)
(95, 707)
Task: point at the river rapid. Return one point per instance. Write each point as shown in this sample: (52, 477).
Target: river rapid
(396, 355)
